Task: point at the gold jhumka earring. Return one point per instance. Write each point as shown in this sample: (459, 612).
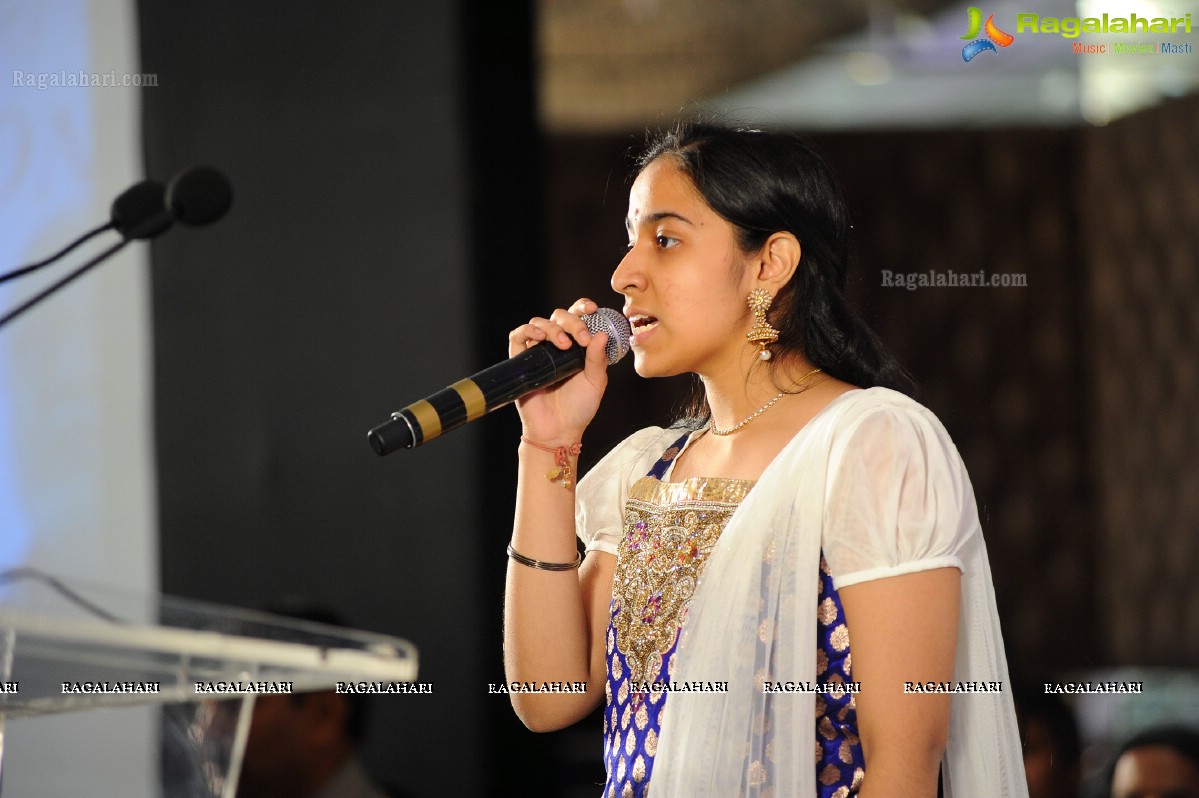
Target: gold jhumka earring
(762, 335)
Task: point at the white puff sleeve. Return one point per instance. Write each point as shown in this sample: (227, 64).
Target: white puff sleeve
(600, 495)
(898, 497)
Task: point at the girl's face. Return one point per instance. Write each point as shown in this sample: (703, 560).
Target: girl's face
(684, 279)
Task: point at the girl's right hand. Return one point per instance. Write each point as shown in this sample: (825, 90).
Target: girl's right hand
(558, 414)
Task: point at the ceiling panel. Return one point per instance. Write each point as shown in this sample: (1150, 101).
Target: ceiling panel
(607, 65)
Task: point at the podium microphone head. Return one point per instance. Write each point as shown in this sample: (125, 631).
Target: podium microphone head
(140, 211)
(199, 196)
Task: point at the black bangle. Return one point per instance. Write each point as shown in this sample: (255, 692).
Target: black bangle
(544, 566)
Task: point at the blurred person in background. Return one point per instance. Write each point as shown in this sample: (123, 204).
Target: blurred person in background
(1052, 751)
(1162, 762)
(305, 745)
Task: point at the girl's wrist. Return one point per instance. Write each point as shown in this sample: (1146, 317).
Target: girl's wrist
(565, 457)
(553, 439)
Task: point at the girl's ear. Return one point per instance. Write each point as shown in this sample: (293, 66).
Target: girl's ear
(777, 261)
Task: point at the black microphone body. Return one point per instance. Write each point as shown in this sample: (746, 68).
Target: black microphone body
(494, 387)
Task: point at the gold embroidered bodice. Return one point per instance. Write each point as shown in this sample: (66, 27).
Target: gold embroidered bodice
(669, 531)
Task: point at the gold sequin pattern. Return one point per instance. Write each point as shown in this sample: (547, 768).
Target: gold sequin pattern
(839, 639)
(757, 774)
(835, 724)
(639, 769)
(669, 531)
(826, 613)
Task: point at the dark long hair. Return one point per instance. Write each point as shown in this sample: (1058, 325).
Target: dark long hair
(766, 182)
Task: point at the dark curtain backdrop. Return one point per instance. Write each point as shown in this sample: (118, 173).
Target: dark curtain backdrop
(378, 249)
(1141, 187)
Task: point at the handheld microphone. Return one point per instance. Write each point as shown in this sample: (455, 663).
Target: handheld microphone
(538, 366)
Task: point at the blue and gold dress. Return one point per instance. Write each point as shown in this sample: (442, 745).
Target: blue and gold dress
(669, 531)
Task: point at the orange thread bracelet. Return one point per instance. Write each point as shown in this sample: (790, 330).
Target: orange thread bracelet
(560, 453)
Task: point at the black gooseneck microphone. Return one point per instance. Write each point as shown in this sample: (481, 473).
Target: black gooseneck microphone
(492, 388)
(138, 213)
(198, 196)
(131, 215)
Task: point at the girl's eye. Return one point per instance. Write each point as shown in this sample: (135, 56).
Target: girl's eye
(665, 242)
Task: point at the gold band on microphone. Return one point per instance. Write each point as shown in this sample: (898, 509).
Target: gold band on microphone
(426, 416)
(472, 397)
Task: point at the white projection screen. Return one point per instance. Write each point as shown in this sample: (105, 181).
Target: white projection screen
(76, 464)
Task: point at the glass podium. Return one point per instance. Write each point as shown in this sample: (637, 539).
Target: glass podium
(69, 647)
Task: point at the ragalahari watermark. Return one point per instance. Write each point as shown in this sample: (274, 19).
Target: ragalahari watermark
(82, 79)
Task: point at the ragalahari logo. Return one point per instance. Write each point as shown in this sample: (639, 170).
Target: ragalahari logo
(994, 34)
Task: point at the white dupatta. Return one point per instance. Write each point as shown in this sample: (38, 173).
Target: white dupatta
(874, 481)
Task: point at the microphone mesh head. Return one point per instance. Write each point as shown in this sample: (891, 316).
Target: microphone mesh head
(616, 326)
